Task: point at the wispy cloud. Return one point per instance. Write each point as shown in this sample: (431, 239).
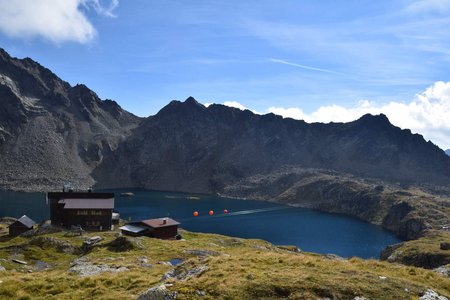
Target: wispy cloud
(391, 44)
(105, 8)
(284, 62)
(57, 20)
(427, 6)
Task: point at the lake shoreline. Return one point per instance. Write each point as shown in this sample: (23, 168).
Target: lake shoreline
(245, 214)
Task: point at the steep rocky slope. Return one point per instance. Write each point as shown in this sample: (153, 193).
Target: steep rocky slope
(407, 211)
(51, 132)
(189, 147)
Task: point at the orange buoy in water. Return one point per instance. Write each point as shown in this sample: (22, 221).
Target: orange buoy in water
(195, 213)
(225, 211)
(211, 212)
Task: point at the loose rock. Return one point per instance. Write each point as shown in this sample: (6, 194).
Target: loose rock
(89, 243)
(60, 245)
(180, 273)
(443, 270)
(20, 262)
(83, 267)
(159, 292)
(202, 253)
(432, 295)
(445, 246)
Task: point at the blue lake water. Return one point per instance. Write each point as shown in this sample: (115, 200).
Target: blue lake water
(307, 229)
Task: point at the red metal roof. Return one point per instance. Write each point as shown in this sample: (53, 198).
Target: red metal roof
(157, 223)
(88, 203)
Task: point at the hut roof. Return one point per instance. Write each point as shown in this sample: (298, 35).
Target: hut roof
(132, 228)
(157, 223)
(26, 221)
(107, 203)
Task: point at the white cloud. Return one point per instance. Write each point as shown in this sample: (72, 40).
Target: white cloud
(427, 114)
(55, 20)
(235, 104)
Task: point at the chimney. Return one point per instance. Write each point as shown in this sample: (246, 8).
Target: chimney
(164, 221)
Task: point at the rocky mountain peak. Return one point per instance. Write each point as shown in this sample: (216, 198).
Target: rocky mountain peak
(374, 119)
(191, 100)
(177, 108)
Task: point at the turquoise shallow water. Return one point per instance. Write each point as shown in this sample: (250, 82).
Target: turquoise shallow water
(308, 229)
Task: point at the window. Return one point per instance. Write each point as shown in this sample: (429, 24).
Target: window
(92, 223)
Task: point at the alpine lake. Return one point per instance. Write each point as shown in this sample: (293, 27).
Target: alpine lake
(308, 229)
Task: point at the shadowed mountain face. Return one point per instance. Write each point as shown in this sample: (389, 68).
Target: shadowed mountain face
(51, 132)
(447, 151)
(189, 147)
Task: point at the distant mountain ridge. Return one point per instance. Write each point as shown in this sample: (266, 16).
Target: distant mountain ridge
(51, 132)
(447, 151)
(191, 147)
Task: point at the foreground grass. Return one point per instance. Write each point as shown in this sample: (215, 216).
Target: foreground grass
(237, 269)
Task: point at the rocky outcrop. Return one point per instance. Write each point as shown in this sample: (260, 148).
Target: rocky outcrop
(83, 267)
(424, 252)
(50, 242)
(443, 270)
(159, 292)
(407, 212)
(399, 221)
(432, 295)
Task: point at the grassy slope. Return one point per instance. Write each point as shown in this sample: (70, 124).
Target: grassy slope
(245, 269)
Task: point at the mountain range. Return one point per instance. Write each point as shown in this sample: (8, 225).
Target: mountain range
(51, 132)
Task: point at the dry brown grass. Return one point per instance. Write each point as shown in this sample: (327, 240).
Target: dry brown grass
(245, 269)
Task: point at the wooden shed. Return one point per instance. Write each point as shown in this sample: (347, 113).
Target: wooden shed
(20, 226)
(91, 211)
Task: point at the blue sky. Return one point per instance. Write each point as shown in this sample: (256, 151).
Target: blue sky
(313, 60)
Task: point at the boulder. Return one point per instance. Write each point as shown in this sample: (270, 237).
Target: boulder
(83, 267)
(202, 253)
(445, 246)
(443, 270)
(181, 273)
(50, 242)
(159, 292)
(90, 242)
(432, 295)
(121, 244)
